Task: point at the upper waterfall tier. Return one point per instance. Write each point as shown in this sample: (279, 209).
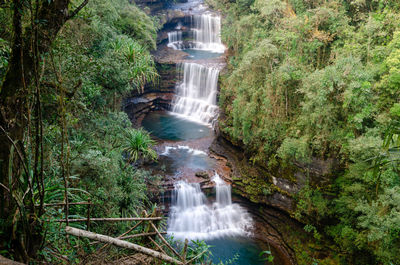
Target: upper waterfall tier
(196, 94)
(206, 30)
(192, 218)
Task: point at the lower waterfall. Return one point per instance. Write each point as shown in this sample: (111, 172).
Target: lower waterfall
(193, 218)
(195, 95)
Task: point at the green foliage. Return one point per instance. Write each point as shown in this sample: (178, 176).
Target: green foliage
(95, 50)
(268, 253)
(4, 55)
(139, 145)
(316, 80)
(296, 149)
(97, 158)
(389, 86)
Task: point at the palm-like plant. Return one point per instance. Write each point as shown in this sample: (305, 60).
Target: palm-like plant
(139, 145)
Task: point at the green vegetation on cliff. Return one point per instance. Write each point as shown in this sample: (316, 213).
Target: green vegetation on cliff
(312, 79)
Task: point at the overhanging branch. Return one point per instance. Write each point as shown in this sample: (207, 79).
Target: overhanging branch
(73, 13)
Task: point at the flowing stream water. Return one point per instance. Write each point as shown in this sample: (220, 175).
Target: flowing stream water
(187, 131)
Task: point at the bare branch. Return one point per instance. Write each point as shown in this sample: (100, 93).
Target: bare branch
(124, 219)
(73, 13)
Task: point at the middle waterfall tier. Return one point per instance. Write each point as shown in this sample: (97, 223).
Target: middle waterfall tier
(196, 94)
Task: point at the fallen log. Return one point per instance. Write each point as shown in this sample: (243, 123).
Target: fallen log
(5, 261)
(112, 219)
(120, 237)
(121, 243)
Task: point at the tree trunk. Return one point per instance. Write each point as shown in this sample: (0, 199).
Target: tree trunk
(30, 42)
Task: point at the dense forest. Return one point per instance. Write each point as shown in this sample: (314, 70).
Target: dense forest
(306, 81)
(311, 80)
(63, 131)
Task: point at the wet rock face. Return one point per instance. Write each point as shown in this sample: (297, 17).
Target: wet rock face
(155, 7)
(203, 175)
(156, 96)
(138, 107)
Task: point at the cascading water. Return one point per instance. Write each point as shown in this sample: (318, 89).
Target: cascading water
(195, 96)
(206, 30)
(192, 218)
(175, 40)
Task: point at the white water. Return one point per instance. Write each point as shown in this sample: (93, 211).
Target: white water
(192, 218)
(206, 30)
(195, 96)
(175, 40)
(182, 147)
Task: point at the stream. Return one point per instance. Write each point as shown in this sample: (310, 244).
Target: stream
(199, 201)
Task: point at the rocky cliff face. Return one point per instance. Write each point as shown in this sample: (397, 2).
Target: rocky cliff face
(277, 188)
(156, 96)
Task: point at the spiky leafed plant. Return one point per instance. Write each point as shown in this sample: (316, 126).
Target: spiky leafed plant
(142, 69)
(139, 145)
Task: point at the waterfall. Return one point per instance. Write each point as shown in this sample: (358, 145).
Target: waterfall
(223, 191)
(206, 30)
(175, 40)
(195, 95)
(192, 217)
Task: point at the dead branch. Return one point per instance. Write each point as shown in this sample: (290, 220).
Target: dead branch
(121, 243)
(127, 232)
(165, 241)
(73, 13)
(63, 203)
(141, 234)
(124, 219)
(198, 256)
(157, 245)
(185, 250)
